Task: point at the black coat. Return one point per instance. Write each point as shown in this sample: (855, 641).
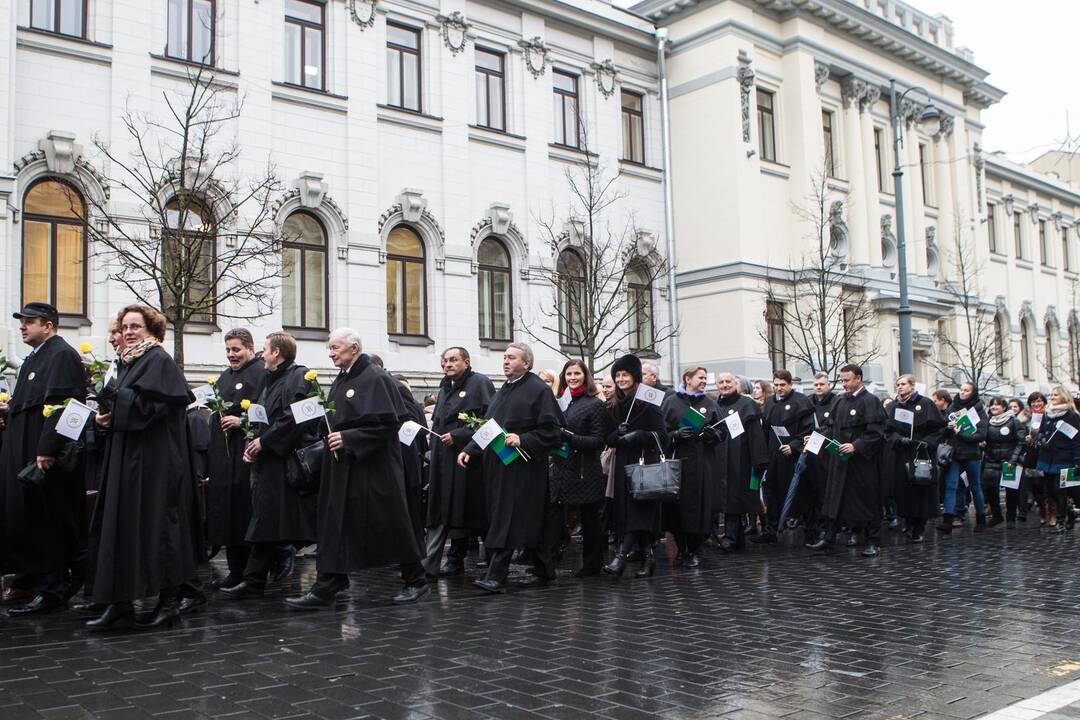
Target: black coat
(145, 501)
(794, 413)
(518, 493)
(456, 496)
(693, 512)
(579, 479)
(278, 512)
(198, 432)
(853, 494)
(739, 457)
(967, 447)
(817, 466)
(40, 526)
(630, 515)
(412, 458)
(1056, 449)
(898, 450)
(228, 499)
(363, 509)
(1003, 445)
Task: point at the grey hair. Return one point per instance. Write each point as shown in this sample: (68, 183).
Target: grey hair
(821, 376)
(650, 368)
(348, 336)
(526, 352)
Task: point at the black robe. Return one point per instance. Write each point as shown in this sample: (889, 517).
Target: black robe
(412, 458)
(280, 514)
(363, 509)
(794, 413)
(144, 505)
(816, 476)
(517, 493)
(853, 493)
(198, 430)
(693, 511)
(456, 496)
(738, 458)
(228, 501)
(919, 502)
(42, 527)
(630, 515)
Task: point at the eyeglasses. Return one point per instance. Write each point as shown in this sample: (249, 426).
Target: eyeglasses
(125, 328)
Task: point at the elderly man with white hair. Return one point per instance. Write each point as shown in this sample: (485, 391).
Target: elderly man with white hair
(650, 376)
(363, 507)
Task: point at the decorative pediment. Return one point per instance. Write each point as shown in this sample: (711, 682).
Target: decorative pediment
(455, 31)
(536, 55)
(606, 76)
(61, 151)
(362, 12)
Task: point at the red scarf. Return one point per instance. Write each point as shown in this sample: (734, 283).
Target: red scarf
(577, 392)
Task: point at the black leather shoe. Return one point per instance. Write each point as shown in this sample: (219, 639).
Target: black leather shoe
(766, 538)
(489, 586)
(870, 551)
(819, 544)
(452, 567)
(40, 605)
(89, 608)
(916, 539)
(165, 615)
(192, 604)
(727, 545)
(616, 566)
(691, 560)
(308, 601)
(648, 566)
(242, 591)
(118, 616)
(287, 567)
(228, 581)
(411, 593)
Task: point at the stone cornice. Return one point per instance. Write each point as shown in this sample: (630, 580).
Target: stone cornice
(1019, 176)
(608, 21)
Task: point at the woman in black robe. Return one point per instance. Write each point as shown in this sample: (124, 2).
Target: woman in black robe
(145, 546)
(639, 429)
(739, 458)
(915, 502)
(578, 479)
(228, 502)
(689, 518)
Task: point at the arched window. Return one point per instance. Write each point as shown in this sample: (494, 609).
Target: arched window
(640, 309)
(189, 253)
(999, 345)
(303, 273)
(1025, 349)
(54, 247)
(495, 295)
(572, 306)
(1051, 351)
(406, 291)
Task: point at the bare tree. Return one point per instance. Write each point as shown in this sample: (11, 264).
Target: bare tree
(603, 288)
(975, 353)
(201, 243)
(822, 307)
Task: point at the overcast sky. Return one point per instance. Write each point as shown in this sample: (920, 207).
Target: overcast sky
(1032, 51)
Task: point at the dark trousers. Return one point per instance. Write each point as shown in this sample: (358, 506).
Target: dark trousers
(436, 541)
(236, 556)
(263, 559)
(917, 526)
(1014, 501)
(734, 529)
(688, 543)
(52, 586)
(593, 538)
(992, 495)
(542, 555)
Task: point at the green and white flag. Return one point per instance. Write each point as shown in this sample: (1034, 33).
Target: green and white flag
(1010, 476)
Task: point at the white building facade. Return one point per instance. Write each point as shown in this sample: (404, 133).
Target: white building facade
(416, 140)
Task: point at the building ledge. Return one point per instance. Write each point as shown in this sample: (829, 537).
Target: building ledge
(308, 97)
(495, 345)
(497, 138)
(637, 170)
(775, 169)
(410, 119)
(573, 155)
(309, 334)
(411, 340)
(64, 45)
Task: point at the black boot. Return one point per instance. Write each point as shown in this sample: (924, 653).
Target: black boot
(945, 526)
(118, 616)
(648, 565)
(617, 565)
(980, 523)
(165, 615)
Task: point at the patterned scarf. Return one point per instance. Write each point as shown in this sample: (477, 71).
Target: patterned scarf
(131, 354)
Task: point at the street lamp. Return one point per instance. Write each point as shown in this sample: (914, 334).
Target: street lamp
(930, 121)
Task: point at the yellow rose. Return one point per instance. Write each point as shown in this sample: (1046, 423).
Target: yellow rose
(462, 416)
(48, 410)
(311, 375)
(245, 404)
(85, 348)
(211, 380)
(4, 397)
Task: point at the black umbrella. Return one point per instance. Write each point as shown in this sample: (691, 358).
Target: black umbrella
(800, 466)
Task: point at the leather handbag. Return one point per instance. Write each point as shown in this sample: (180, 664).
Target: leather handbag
(306, 474)
(944, 455)
(920, 469)
(655, 481)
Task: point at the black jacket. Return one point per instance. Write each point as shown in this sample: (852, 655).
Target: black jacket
(1003, 442)
(1057, 449)
(966, 447)
(579, 479)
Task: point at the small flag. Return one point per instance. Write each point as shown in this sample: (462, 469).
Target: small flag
(1069, 479)
(1066, 429)
(734, 425)
(920, 388)
(905, 416)
(564, 399)
(834, 449)
(257, 414)
(649, 394)
(307, 409)
(1036, 421)
(408, 432)
(755, 479)
(109, 376)
(964, 479)
(72, 420)
(710, 378)
(202, 394)
(1010, 476)
(505, 453)
(486, 433)
(815, 442)
(692, 419)
(781, 432)
(563, 451)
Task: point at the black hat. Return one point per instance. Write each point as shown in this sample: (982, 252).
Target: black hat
(38, 310)
(629, 363)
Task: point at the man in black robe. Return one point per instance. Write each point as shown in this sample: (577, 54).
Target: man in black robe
(852, 496)
(228, 502)
(363, 510)
(412, 457)
(456, 501)
(788, 418)
(817, 466)
(43, 522)
(740, 455)
(519, 508)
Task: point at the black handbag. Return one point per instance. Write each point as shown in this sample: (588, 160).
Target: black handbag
(656, 481)
(920, 469)
(944, 455)
(304, 477)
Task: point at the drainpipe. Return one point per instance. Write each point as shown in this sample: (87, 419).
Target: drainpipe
(669, 218)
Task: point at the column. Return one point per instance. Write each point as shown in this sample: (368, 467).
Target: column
(870, 173)
(860, 195)
(948, 215)
(914, 209)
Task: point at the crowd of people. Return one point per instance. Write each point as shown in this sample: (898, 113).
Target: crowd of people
(127, 501)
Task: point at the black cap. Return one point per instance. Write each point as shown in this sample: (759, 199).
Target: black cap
(38, 310)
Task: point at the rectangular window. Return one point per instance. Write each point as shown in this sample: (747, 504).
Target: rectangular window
(1018, 238)
(66, 17)
(305, 48)
(1066, 255)
(766, 123)
(879, 156)
(490, 89)
(774, 321)
(991, 229)
(191, 31)
(403, 67)
(827, 137)
(926, 174)
(633, 127)
(1045, 256)
(566, 104)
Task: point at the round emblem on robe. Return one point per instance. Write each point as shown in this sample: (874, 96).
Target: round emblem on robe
(826, 413)
(852, 411)
(350, 393)
(1005, 430)
(703, 411)
(31, 376)
(730, 411)
(918, 408)
(787, 407)
(239, 386)
(461, 394)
